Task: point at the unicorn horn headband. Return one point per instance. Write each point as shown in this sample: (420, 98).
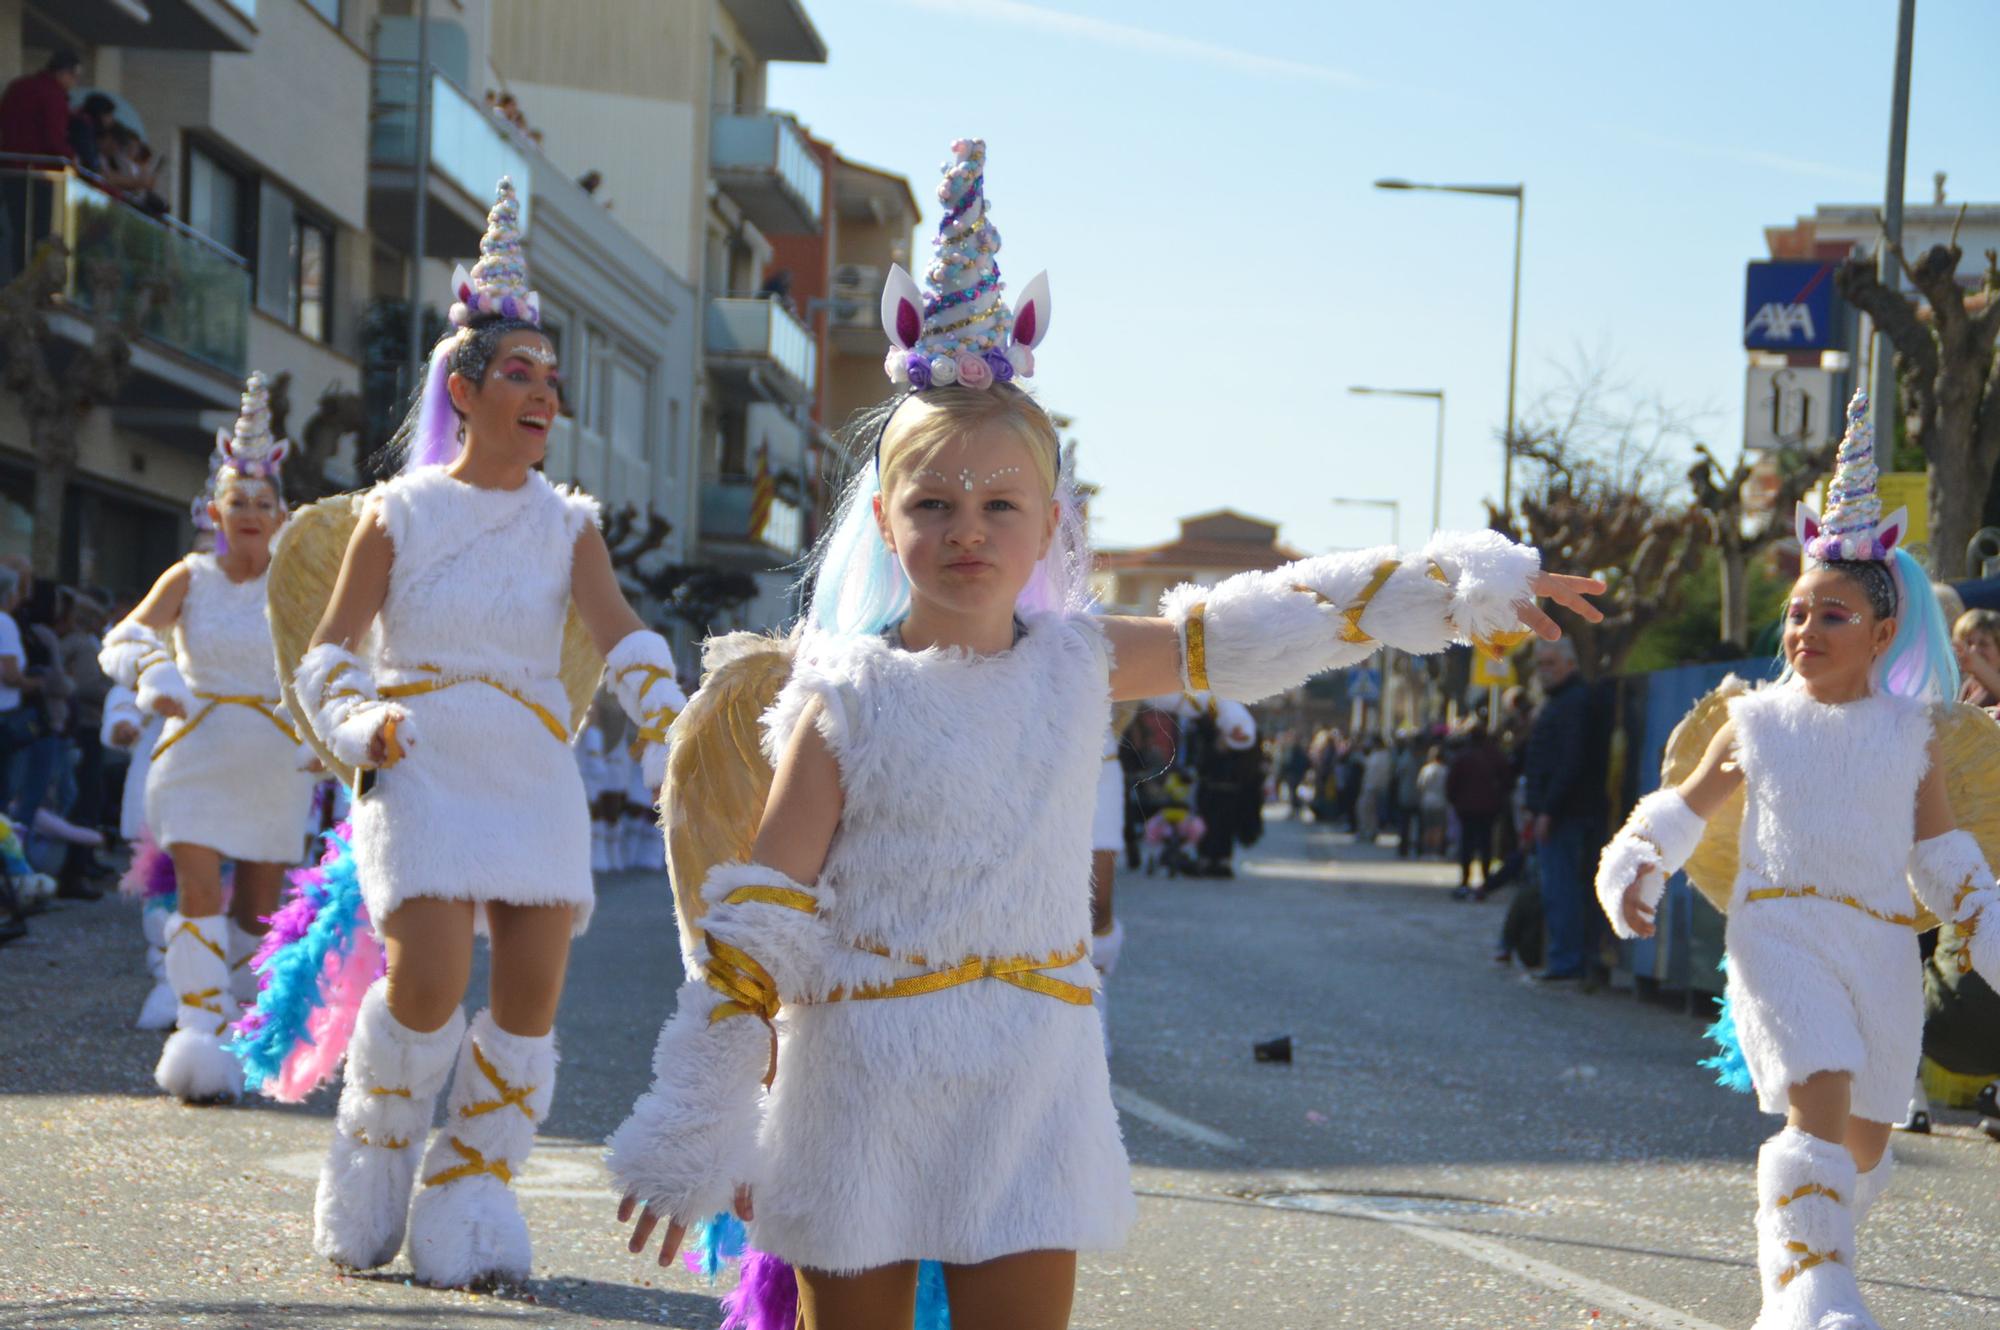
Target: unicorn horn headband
(249, 449)
(1853, 529)
(498, 282)
(962, 332)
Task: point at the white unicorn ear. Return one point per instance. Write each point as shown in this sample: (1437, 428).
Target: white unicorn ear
(1031, 313)
(225, 443)
(1892, 529)
(279, 452)
(902, 308)
(461, 285)
(1807, 522)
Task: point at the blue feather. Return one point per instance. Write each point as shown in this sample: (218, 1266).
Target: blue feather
(933, 1307)
(1731, 1070)
(722, 1239)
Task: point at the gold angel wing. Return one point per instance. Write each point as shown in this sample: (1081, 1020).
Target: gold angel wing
(717, 775)
(304, 567)
(1712, 866)
(1968, 741)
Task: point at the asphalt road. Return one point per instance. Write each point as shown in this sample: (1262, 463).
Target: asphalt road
(1452, 1145)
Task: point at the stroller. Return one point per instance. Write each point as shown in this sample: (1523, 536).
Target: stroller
(1175, 829)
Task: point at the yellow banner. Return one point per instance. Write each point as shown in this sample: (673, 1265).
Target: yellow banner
(1898, 489)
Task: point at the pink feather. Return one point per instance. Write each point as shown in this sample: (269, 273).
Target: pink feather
(332, 1025)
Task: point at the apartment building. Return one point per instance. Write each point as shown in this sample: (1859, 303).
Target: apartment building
(292, 131)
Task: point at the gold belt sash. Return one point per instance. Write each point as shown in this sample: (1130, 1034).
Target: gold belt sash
(263, 706)
(1023, 972)
(1800, 893)
(418, 687)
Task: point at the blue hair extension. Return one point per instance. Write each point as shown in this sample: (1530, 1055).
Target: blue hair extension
(933, 1304)
(1732, 1070)
(858, 586)
(1919, 661)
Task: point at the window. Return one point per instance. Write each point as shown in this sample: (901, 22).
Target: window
(294, 264)
(217, 202)
(628, 411)
(326, 9)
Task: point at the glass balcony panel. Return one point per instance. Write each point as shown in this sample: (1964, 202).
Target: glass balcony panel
(766, 145)
(754, 327)
(468, 147)
(196, 294)
(725, 515)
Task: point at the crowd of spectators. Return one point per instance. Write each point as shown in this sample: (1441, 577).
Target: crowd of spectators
(46, 115)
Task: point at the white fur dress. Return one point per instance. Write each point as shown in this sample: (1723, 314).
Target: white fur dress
(1818, 984)
(227, 776)
(489, 804)
(973, 1122)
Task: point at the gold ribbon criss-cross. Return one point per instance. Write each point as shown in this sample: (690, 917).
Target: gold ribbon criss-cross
(1808, 1258)
(263, 706)
(474, 1164)
(514, 1095)
(1814, 893)
(419, 687)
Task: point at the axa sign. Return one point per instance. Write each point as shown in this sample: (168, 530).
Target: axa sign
(1790, 306)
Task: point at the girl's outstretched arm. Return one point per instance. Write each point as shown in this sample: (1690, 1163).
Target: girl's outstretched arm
(639, 665)
(1256, 634)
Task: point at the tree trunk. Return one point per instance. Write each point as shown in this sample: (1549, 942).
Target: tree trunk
(1958, 481)
(55, 465)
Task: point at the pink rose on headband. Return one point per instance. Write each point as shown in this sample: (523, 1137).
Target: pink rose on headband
(973, 371)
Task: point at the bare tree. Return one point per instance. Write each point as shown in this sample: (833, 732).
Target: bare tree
(1946, 379)
(1719, 494)
(1595, 500)
(697, 594)
(55, 402)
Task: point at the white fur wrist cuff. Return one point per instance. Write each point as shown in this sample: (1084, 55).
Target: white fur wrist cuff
(121, 707)
(1489, 575)
(1951, 876)
(772, 918)
(342, 705)
(1664, 818)
(691, 1139)
(1623, 860)
(641, 667)
(128, 650)
(161, 680)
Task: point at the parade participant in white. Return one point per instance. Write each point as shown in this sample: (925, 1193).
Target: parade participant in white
(1846, 812)
(910, 937)
(225, 780)
(464, 567)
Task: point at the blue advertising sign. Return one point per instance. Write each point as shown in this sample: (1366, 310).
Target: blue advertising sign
(1364, 684)
(1790, 305)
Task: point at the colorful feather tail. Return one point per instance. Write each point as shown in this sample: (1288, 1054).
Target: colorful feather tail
(151, 875)
(313, 968)
(1732, 1070)
(766, 1296)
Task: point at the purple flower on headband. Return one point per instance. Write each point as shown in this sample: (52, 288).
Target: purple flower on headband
(1003, 368)
(920, 372)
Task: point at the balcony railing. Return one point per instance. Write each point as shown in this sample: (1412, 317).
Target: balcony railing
(764, 162)
(726, 502)
(753, 332)
(468, 146)
(198, 293)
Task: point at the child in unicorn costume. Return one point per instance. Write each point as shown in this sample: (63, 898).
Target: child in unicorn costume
(224, 780)
(1845, 815)
(439, 672)
(885, 1052)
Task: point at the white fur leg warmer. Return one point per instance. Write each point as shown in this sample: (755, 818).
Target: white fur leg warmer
(1805, 1235)
(1951, 876)
(157, 1011)
(466, 1228)
(195, 1066)
(691, 1139)
(1106, 947)
(342, 704)
(1872, 1186)
(243, 946)
(641, 668)
(1654, 842)
(1256, 634)
(388, 1092)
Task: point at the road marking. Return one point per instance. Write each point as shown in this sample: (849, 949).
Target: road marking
(1487, 1251)
(1131, 1101)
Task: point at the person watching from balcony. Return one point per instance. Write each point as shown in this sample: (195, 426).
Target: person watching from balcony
(131, 169)
(89, 128)
(34, 110)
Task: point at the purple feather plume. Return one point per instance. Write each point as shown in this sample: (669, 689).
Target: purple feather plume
(766, 1296)
(151, 875)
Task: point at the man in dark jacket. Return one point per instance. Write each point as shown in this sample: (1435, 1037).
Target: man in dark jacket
(1477, 787)
(1564, 792)
(34, 110)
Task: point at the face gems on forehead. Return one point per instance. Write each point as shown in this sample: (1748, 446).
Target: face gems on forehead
(535, 354)
(966, 479)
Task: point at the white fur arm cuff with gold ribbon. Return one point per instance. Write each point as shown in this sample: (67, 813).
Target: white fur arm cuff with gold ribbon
(1655, 841)
(342, 704)
(1256, 634)
(139, 658)
(1951, 876)
(121, 707)
(691, 1139)
(641, 667)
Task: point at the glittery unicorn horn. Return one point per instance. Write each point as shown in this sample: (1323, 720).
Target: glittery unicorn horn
(498, 282)
(248, 449)
(962, 332)
(1853, 529)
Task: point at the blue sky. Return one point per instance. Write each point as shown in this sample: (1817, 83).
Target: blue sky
(1196, 179)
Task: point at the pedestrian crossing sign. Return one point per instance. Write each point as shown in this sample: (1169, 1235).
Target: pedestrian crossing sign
(1489, 671)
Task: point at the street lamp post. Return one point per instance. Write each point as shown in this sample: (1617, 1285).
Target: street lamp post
(1437, 465)
(1395, 507)
(1518, 193)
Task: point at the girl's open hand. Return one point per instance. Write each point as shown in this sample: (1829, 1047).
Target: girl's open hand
(170, 707)
(1569, 592)
(642, 1232)
(1638, 915)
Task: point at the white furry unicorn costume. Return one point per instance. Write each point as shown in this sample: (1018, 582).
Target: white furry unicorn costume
(941, 1089)
(486, 803)
(226, 775)
(1824, 970)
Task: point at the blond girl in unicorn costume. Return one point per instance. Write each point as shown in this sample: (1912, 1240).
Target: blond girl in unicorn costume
(1839, 774)
(225, 780)
(885, 1052)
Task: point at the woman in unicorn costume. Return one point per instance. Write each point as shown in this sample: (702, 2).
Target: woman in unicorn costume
(1846, 816)
(435, 672)
(904, 959)
(224, 780)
